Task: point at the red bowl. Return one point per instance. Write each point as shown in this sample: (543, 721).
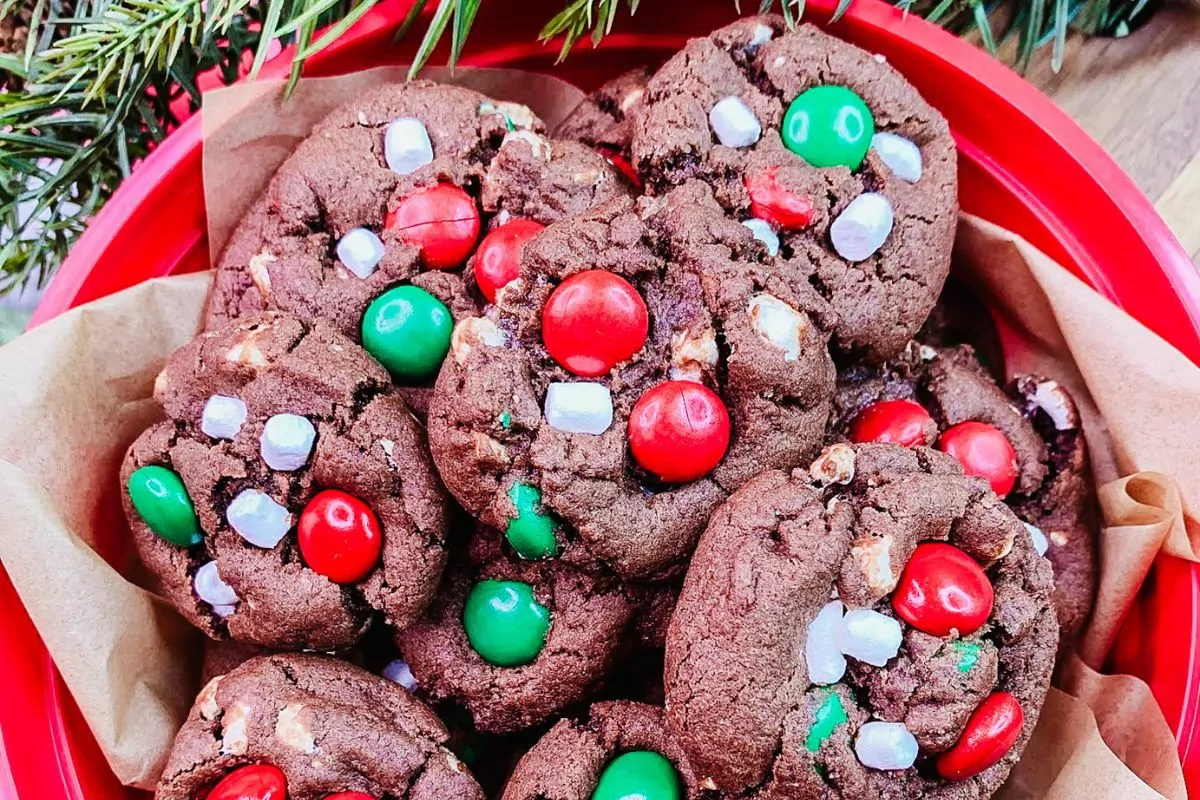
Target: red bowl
(1023, 164)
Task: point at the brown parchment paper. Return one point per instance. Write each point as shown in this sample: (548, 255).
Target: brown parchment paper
(79, 391)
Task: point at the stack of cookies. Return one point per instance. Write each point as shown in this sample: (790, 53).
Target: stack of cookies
(650, 457)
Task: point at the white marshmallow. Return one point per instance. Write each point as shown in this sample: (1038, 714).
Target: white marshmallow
(223, 416)
(864, 226)
(734, 123)
(823, 647)
(287, 441)
(360, 251)
(1049, 398)
(762, 35)
(258, 519)
(224, 611)
(902, 157)
(579, 407)
(406, 146)
(211, 589)
(885, 745)
(398, 672)
(870, 636)
(778, 323)
(1040, 542)
(763, 231)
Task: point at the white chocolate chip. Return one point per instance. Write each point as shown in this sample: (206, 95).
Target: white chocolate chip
(927, 353)
(360, 251)
(258, 519)
(762, 34)
(247, 354)
(211, 589)
(834, 465)
(763, 231)
(388, 446)
(406, 146)
(734, 124)
(870, 637)
(453, 762)
(1050, 397)
(517, 114)
(489, 451)
(1059, 538)
(502, 218)
(223, 416)
(779, 61)
(206, 701)
(287, 442)
(233, 730)
(823, 645)
(1040, 542)
(900, 155)
(693, 354)
(708, 783)
(292, 730)
(885, 745)
(259, 272)
(874, 558)
(472, 332)
(778, 323)
(160, 383)
(632, 98)
(860, 230)
(538, 144)
(880, 57)
(582, 407)
(399, 672)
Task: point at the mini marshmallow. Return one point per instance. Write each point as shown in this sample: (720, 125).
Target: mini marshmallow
(287, 441)
(900, 155)
(734, 123)
(398, 672)
(864, 226)
(1048, 396)
(406, 146)
(360, 251)
(211, 589)
(885, 745)
(762, 35)
(224, 611)
(823, 647)
(778, 323)
(579, 407)
(223, 416)
(1040, 542)
(763, 231)
(258, 519)
(870, 636)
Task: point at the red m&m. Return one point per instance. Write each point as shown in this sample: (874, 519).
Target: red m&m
(498, 259)
(441, 220)
(253, 782)
(990, 733)
(902, 422)
(982, 450)
(679, 431)
(618, 160)
(340, 537)
(784, 209)
(593, 321)
(941, 590)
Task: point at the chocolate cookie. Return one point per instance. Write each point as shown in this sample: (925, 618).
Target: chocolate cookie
(921, 675)
(311, 728)
(604, 119)
(515, 641)
(622, 750)
(837, 160)
(1027, 442)
(369, 223)
(290, 496)
(646, 363)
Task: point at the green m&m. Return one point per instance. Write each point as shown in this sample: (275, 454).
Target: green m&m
(408, 331)
(531, 532)
(639, 775)
(504, 623)
(829, 126)
(162, 502)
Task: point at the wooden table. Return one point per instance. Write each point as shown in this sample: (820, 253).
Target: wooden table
(1140, 98)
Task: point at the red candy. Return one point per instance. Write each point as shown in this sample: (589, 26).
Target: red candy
(982, 450)
(340, 536)
(614, 157)
(990, 733)
(943, 589)
(593, 321)
(784, 209)
(498, 259)
(679, 431)
(441, 220)
(254, 782)
(902, 422)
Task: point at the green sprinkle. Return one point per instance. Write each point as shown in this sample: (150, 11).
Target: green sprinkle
(532, 532)
(828, 716)
(968, 655)
(505, 420)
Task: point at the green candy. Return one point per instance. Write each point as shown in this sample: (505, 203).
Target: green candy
(639, 775)
(531, 533)
(968, 655)
(408, 331)
(504, 623)
(829, 126)
(829, 715)
(162, 502)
